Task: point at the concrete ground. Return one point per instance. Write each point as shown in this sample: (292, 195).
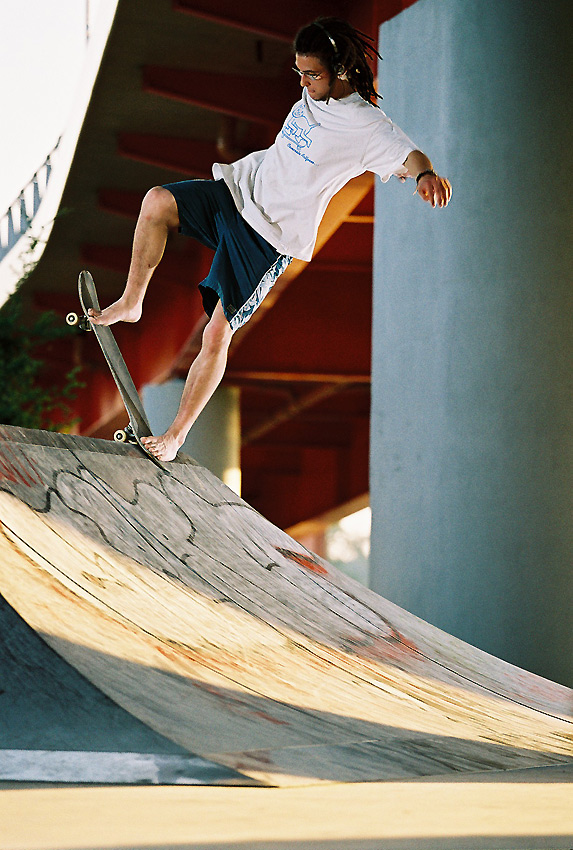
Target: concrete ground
(512, 810)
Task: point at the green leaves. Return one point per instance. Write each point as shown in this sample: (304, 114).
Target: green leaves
(33, 395)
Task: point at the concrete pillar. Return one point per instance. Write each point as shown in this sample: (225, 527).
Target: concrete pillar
(472, 411)
(214, 440)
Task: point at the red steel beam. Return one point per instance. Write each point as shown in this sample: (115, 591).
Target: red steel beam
(188, 156)
(383, 10)
(272, 20)
(281, 21)
(120, 202)
(295, 408)
(257, 99)
(323, 326)
(173, 267)
(316, 474)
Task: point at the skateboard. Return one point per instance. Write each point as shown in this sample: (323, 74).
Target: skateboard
(138, 425)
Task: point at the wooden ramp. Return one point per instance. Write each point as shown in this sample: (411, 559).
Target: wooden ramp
(213, 628)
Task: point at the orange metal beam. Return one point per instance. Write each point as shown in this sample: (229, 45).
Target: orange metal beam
(343, 203)
(239, 376)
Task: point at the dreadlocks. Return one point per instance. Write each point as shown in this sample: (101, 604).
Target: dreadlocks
(341, 49)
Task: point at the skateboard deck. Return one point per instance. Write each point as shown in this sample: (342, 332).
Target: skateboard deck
(138, 425)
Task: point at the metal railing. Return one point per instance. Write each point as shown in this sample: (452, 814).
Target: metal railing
(18, 218)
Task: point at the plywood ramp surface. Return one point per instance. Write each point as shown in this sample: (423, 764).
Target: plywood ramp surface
(192, 612)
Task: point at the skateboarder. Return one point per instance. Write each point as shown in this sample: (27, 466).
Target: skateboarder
(263, 210)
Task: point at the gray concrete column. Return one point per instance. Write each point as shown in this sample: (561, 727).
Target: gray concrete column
(214, 440)
(472, 411)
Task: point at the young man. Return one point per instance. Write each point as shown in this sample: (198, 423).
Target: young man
(265, 209)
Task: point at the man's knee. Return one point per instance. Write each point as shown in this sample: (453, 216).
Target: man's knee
(217, 334)
(160, 205)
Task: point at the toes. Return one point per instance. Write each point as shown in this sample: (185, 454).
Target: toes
(159, 448)
(154, 447)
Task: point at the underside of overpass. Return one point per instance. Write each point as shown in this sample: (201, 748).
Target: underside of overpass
(182, 84)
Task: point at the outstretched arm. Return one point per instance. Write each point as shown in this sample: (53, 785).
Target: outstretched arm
(432, 188)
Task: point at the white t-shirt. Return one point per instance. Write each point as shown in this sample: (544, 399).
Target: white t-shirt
(282, 192)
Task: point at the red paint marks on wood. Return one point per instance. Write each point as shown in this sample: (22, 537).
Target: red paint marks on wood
(239, 706)
(391, 647)
(306, 561)
(254, 758)
(16, 468)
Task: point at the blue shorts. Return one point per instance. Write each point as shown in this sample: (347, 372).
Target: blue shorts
(245, 265)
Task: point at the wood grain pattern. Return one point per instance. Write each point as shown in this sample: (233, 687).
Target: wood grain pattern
(191, 611)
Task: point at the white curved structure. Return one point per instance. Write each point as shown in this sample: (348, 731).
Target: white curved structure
(26, 226)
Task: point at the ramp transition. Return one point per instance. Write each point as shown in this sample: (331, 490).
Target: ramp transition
(174, 620)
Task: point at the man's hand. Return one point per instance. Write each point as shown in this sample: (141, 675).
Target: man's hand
(434, 189)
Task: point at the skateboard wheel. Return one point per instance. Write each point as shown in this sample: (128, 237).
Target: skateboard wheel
(82, 322)
(125, 435)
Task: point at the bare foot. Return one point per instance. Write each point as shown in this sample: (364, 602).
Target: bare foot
(120, 311)
(163, 447)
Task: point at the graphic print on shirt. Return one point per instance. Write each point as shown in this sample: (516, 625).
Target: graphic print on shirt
(297, 132)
